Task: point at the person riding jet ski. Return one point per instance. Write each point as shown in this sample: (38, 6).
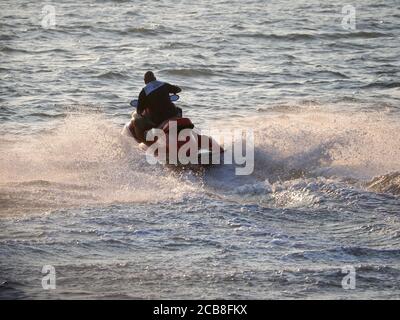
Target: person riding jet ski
(154, 109)
(154, 104)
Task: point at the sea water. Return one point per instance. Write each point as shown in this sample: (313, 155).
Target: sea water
(321, 92)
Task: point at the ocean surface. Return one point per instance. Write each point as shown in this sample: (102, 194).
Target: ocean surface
(324, 103)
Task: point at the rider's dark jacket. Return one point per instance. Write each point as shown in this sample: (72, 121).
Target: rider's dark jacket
(155, 98)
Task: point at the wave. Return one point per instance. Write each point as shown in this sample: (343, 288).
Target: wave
(144, 31)
(348, 253)
(132, 13)
(382, 85)
(102, 28)
(354, 35)
(334, 74)
(302, 159)
(12, 290)
(113, 75)
(314, 36)
(6, 37)
(42, 115)
(347, 145)
(306, 157)
(190, 72)
(179, 45)
(388, 183)
(84, 161)
(271, 36)
(8, 49)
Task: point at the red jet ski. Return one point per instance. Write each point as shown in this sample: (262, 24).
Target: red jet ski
(194, 149)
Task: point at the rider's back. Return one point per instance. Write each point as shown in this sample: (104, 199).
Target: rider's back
(155, 98)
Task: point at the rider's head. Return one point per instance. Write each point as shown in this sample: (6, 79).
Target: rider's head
(149, 77)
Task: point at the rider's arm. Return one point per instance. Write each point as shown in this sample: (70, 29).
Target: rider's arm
(141, 102)
(173, 89)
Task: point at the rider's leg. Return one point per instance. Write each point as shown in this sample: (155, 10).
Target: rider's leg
(140, 126)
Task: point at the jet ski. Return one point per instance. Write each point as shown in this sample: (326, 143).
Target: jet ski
(178, 142)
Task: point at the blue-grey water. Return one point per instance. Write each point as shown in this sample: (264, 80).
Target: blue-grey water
(323, 99)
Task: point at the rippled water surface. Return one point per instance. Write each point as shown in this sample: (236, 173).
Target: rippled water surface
(324, 195)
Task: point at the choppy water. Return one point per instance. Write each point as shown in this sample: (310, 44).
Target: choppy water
(324, 103)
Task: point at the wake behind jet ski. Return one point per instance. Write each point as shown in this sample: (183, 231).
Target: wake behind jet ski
(160, 126)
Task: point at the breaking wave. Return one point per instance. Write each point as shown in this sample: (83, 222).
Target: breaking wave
(83, 161)
(301, 159)
(388, 183)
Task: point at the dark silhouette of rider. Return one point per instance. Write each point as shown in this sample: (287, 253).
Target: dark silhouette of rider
(154, 100)
(155, 106)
